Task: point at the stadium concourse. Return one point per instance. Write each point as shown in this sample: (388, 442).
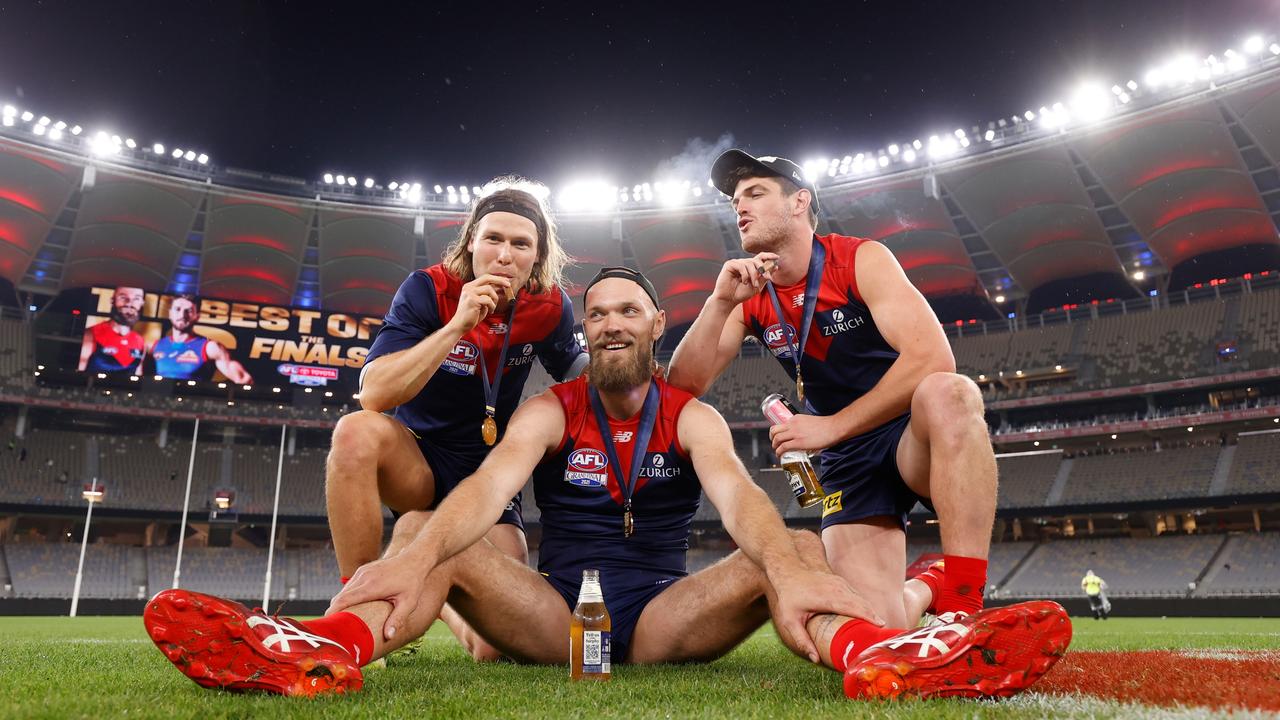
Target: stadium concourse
(1112, 287)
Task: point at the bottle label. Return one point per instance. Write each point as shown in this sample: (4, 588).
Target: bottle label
(595, 652)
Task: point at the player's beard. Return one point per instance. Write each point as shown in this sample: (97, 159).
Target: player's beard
(621, 374)
(768, 234)
(118, 316)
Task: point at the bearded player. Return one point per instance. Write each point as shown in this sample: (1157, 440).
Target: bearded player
(113, 346)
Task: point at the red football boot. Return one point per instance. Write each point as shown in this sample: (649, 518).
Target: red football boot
(995, 653)
(223, 644)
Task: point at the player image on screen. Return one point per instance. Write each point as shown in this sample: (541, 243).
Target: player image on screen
(113, 346)
(184, 355)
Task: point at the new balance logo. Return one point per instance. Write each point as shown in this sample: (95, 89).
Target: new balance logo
(797, 300)
(926, 638)
(286, 632)
(623, 436)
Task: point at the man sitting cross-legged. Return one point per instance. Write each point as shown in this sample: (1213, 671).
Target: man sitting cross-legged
(632, 523)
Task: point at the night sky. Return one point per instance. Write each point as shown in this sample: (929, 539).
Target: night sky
(448, 93)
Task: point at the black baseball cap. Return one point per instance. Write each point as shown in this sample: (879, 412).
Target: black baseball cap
(625, 273)
(730, 160)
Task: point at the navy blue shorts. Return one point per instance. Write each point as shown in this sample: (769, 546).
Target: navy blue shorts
(861, 479)
(626, 593)
(451, 467)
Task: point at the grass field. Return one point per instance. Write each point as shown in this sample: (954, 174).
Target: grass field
(107, 668)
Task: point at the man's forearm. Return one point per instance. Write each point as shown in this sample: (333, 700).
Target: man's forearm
(457, 524)
(693, 363)
(754, 524)
(395, 379)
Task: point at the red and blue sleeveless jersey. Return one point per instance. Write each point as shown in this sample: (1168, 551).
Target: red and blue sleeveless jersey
(582, 502)
(450, 407)
(180, 360)
(846, 355)
(114, 352)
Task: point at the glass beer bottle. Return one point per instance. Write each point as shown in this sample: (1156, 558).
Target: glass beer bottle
(795, 463)
(589, 631)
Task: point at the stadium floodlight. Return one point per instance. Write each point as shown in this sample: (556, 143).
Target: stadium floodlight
(999, 298)
(475, 190)
(451, 190)
(893, 149)
(8, 121)
(342, 179)
(191, 382)
(697, 191)
(393, 185)
(1090, 102)
(157, 149)
(812, 168)
(909, 155)
(1254, 44)
(1275, 48)
(883, 161)
(597, 195)
(202, 158)
(189, 155)
(101, 145)
(27, 116)
(38, 130)
(158, 378)
(177, 153)
(670, 194)
(76, 130)
(438, 189)
(131, 143)
(10, 111)
(1235, 61)
(415, 192)
(1132, 85)
(1140, 275)
(328, 178)
(368, 183)
(989, 135)
(60, 125)
(1125, 98)
(44, 120)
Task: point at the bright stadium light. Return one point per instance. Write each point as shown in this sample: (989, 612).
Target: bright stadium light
(202, 158)
(189, 155)
(27, 116)
(1235, 61)
(8, 121)
(342, 179)
(38, 130)
(102, 146)
(44, 120)
(989, 135)
(999, 298)
(814, 168)
(893, 149)
(393, 185)
(177, 153)
(439, 190)
(10, 111)
(76, 130)
(131, 144)
(1254, 44)
(1091, 102)
(368, 182)
(909, 155)
(157, 149)
(592, 196)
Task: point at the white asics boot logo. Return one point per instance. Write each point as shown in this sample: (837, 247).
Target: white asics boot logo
(286, 631)
(926, 638)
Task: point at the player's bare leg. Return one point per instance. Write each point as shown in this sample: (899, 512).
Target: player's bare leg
(871, 554)
(945, 455)
(505, 600)
(510, 540)
(705, 615)
(373, 461)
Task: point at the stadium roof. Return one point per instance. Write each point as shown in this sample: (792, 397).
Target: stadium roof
(1150, 190)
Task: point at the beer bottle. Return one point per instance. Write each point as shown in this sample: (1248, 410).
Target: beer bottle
(589, 630)
(795, 463)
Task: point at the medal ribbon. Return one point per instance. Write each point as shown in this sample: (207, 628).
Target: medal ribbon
(491, 392)
(817, 259)
(648, 418)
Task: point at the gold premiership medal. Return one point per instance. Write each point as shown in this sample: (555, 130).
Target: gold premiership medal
(489, 429)
(628, 526)
(799, 387)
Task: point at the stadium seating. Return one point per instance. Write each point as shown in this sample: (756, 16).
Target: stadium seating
(1181, 472)
(15, 348)
(51, 473)
(49, 570)
(1025, 480)
(1260, 329)
(1249, 565)
(229, 572)
(1133, 567)
(1256, 466)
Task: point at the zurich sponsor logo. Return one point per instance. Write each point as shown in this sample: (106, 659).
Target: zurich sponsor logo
(837, 315)
(528, 349)
(587, 468)
(658, 468)
(839, 323)
(777, 342)
(658, 461)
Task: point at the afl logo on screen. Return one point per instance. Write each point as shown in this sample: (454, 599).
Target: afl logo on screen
(777, 342)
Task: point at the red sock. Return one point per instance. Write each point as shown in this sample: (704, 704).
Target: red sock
(933, 577)
(962, 585)
(853, 637)
(346, 629)
(344, 580)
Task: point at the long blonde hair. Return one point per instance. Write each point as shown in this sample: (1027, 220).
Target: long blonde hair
(548, 269)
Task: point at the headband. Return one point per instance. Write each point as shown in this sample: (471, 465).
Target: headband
(504, 205)
(625, 273)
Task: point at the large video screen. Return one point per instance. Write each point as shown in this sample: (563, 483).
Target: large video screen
(131, 331)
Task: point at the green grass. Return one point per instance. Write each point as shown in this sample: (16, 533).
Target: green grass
(106, 667)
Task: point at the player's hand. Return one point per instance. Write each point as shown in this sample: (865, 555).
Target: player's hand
(396, 580)
(743, 278)
(810, 433)
(805, 593)
(479, 298)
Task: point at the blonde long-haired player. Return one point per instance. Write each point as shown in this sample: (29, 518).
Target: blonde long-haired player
(451, 360)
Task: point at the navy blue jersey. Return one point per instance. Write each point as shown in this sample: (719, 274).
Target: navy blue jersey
(581, 501)
(846, 355)
(180, 360)
(450, 407)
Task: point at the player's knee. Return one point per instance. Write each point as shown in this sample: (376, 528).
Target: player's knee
(408, 525)
(358, 438)
(481, 651)
(949, 400)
